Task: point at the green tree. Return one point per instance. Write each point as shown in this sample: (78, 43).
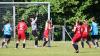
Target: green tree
(64, 11)
(7, 16)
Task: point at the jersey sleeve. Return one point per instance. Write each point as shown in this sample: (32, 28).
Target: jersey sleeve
(26, 26)
(11, 28)
(74, 29)
(18, 26)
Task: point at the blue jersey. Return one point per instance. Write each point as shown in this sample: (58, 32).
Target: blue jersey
(7, 29)
(94, 27)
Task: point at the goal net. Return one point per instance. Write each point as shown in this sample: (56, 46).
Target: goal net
(14, 11)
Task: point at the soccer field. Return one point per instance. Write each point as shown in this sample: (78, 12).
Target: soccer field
(57, 49)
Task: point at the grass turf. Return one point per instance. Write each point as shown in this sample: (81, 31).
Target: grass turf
(58, 49)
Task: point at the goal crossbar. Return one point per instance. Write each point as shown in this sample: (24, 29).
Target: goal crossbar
(25, 3)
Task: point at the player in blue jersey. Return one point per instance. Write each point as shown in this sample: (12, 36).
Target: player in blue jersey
(7, 33)
(94, 32)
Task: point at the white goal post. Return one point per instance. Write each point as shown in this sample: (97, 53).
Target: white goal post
(32, 3)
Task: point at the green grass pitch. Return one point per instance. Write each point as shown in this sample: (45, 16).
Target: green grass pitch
(59, 48)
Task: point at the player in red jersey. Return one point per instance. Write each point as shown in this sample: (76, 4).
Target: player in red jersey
(77, 36)
(85, 33)
(46, 32)
(21, 28)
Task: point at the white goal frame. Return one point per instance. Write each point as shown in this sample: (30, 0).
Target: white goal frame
(33, 3)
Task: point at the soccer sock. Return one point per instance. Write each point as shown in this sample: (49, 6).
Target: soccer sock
(6, 44)
(82, 43)
(8, 41)
(17, 45)
(45, 43)
(93, 42)
(23, 45)
(36, 41)
(88, 44)
(3, 44)
(75, 47)
(48, 43)
(97, 44)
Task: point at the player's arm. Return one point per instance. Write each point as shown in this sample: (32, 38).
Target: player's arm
(91, 28)
(11, 28)
(74, 29)
(26, 27)
(46, 26)
(35, 19)
(17, 27)
(50, 26)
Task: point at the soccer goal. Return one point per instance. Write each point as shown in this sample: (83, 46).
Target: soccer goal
(9, 10)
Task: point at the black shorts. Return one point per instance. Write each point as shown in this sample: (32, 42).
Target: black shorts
(95, 36)
(34, 33)
(7, 36)
(89, 38)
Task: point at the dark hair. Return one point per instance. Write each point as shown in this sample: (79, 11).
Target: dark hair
(79, 22)
(49, 21)
(7, 22)
(93, 19)
(21, 20)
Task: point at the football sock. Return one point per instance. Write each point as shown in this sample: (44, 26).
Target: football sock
(3, 44)
(97, 44)
(75, 46)
(82, 43)
(36, 41)
(45, 43)
(88, 44)
(23, 45)
(93, 42)
(17, 45)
